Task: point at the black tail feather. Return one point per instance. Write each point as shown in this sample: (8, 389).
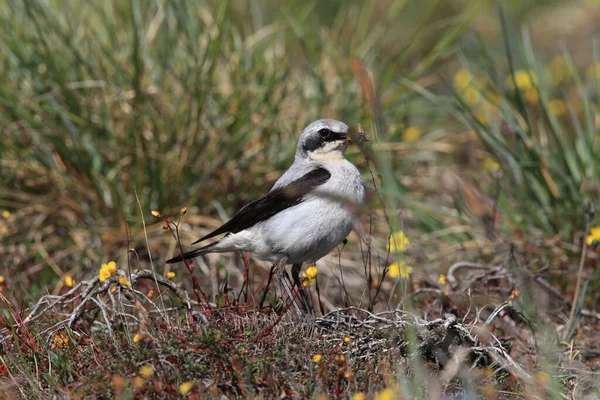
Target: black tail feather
(191, 254)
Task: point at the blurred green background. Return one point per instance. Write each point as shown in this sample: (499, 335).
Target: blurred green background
(483, 116)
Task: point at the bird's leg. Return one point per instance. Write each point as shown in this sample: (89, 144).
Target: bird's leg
(296, 268)
(266, 290)
(281, 275)
(304, 298)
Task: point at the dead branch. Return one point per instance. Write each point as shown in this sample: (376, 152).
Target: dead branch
(436, 341)
(91, 294)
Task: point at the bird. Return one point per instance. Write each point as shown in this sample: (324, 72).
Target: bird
(309, 210)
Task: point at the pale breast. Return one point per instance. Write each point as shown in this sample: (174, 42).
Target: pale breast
(311, 229)
(345, 181)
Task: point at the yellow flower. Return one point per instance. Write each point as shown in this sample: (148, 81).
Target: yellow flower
(112, 267)
(346, 339)
(490, 165)
(462, 79)
(308, 276)
(60, 341)
(471, 96)
(557, 107)
(524, 79)
(386, 394)
(312, 271)
(146, 371)
(2, 279)
(411, 134)
(186, 387)
(398, 241)
(442, 279)
(400, 269)
(317, 358)
(531, 95)
(183, 211)
(514, 294)
(359, 396)
(107, 270)
(594, 236)
(69, 281)
(6, 214)
(306, 281)
(170, 275)
(104, 274)
(155, 213)
(124, 281)
(137, 338)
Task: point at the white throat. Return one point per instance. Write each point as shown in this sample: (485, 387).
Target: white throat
(333, 151)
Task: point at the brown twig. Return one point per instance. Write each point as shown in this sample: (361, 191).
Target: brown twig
(572, 317)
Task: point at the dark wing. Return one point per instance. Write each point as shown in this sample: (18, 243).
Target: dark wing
(277, 200)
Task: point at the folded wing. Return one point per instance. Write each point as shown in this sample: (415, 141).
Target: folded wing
(276, 201)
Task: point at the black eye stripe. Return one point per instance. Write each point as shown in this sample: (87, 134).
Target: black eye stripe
(313, 143)
(332, 136)
(324, 136)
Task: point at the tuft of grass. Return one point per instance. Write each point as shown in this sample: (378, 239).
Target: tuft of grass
(537, 120)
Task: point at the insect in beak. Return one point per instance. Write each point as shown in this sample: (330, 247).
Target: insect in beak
(358, 137)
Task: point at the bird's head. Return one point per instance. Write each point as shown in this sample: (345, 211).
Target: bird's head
(325, 139)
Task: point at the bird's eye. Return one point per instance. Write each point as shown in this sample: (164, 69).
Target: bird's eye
(325, 133)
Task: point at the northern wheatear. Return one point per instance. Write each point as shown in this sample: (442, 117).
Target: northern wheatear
(310, 209)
